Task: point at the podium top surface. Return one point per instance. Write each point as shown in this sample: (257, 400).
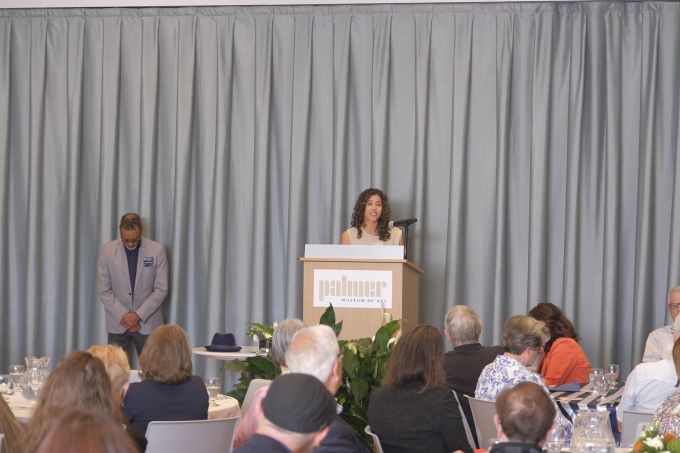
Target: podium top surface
(356, 260)
(380, 252)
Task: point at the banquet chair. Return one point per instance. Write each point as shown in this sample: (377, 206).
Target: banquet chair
(253, 387)
(482, 413)
(376, 439)
(471, 438)
(633, 424)
(204, 436)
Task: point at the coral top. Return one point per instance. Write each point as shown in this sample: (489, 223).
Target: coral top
(566, 362)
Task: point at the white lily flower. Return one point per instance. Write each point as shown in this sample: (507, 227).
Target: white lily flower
(655, 442)
(256, 338)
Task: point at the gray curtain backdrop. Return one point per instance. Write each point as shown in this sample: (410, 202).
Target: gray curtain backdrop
(536, 144)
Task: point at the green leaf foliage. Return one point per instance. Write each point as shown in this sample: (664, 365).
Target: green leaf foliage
(364, 362)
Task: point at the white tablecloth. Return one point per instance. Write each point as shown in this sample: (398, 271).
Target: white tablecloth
(22, 407)
(244, 353)
(227, 407)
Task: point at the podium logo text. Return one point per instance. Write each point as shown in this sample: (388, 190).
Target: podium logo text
(352, 288)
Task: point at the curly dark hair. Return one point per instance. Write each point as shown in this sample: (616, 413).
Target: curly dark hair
(558, 324)
(360, 209)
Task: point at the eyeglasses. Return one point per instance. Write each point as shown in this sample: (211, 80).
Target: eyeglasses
(673, 306)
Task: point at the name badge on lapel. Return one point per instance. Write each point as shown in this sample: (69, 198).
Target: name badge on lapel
(148, 261)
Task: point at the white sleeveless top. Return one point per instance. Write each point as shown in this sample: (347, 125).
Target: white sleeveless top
(369, 239)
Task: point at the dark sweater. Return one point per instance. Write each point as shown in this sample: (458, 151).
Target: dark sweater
(408, 421)
(148, 401)
(465, 363)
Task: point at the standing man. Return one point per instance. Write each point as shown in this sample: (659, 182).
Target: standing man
(132, 282)
(660, 341)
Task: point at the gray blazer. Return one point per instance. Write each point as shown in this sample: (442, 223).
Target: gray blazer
(151, 284)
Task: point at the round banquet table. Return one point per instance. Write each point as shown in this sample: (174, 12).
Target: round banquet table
(227, 407)
(244, 353)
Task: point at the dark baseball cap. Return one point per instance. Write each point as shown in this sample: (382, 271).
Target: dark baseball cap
(299, 403)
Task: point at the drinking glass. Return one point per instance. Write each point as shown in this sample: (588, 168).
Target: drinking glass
(555, 439)
(612, 374)
(35, 383)
(598, 383)
(213, 384)
(16, 374)
(6, 387)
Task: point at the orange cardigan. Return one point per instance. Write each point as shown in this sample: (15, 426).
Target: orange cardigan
(566, 362)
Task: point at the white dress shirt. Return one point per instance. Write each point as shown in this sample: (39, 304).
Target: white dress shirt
(648, 385)
(659, 344)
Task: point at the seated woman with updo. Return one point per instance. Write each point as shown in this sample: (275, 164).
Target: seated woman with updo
(117, 367)
(370, 222)
(523, 341)
(168, 390)
(564, 361)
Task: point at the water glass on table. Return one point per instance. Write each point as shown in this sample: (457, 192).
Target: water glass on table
(6, 387)
(555, 439)
(611, 374)
(16, 374)
(598, 383)
(213, 385)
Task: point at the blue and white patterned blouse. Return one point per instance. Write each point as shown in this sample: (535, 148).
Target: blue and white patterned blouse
(507, 372)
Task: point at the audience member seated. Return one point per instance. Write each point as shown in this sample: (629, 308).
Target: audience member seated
(564, 361)
(652, 387)
(660, 342)
(117, 367)
(283, 335)
(315, 351)
(79, 431)
(414, 410)
(11, 428)
(465, 363)
(524, 416)
(168, 390)
(523, 340)
(79, 381)
(294, 416)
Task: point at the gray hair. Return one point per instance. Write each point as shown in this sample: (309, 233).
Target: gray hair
(674, 289)
(283, 334)
(521, 332)
(313, 351)
(462, 325)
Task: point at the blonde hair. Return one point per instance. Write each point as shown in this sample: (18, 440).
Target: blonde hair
(166, 357)
(116, 363)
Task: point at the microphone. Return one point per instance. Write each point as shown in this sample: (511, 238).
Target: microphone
(404, 223)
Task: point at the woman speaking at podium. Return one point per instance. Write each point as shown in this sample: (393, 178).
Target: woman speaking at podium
(371, 222)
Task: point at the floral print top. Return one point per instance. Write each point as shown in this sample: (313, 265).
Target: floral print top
(506, 372)
(668, 415)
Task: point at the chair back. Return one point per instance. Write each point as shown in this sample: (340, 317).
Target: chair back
(204, 436)
(468, 423)
(376, 440)
(253, 387)
(134, 376)
(631, 428)
(482, 413)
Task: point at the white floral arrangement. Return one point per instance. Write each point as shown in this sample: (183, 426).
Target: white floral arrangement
(651, 440)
